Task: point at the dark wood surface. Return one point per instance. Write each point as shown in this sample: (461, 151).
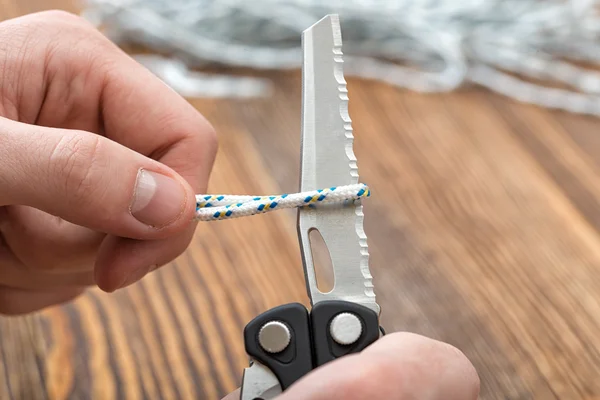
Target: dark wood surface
(483, 232)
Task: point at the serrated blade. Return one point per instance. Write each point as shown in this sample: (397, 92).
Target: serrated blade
(328, 160)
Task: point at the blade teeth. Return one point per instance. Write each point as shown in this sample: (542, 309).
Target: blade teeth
(345, 115)
(364, 253)
(338, 73)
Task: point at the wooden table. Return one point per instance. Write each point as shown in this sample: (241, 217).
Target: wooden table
(483, 232)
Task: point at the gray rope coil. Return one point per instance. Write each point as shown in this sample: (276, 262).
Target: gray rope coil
(420, 45)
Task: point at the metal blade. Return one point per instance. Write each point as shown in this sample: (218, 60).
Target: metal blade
(259, 382)
(328, 160)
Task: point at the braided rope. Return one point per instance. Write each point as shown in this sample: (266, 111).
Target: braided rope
(222, 206)
(421, 45)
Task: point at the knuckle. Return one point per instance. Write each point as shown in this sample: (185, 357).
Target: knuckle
(194, 139)
(49, 48)
(204, 141)
(211, 139)
(208, 141)
(77, 37)
(193, 127)
(75, 162)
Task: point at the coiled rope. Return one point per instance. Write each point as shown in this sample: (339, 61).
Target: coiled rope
(421, 45)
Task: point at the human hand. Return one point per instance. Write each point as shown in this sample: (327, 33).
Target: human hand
(99, 164)
(399, 366)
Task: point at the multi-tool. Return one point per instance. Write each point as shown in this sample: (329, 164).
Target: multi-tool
(287, 342)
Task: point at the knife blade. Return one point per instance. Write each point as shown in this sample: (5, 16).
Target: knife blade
(328, 160)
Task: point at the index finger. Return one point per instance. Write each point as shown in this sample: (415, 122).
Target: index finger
(140, 112)
(144, 114)
(68, 75)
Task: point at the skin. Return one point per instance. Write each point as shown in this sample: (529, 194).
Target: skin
(78, 120)
(399, 366)
(80, 124)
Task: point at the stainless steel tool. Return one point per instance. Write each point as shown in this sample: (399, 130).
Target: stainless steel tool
(287, 342)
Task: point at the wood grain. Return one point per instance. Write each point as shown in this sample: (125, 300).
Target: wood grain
(483, 232)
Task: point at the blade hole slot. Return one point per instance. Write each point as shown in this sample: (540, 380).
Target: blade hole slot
(321, 261)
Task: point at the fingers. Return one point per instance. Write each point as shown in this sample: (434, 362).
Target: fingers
(68, 253)
(19, 301)
(67, 74)
(122, 261)
(400, 366)
(143, 114)
(60, 246)
(92, 181)
(14, 274)
(77, 79)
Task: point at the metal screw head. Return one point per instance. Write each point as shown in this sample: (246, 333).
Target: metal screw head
(274, 337)
(345, 328)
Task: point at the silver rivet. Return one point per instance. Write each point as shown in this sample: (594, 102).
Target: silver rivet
(274, 337)
(345, 328)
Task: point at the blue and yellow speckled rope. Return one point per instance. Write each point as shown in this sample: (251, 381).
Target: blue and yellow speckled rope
(219, 207)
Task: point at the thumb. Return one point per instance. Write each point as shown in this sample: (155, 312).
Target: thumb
(91, 181)
(399, 366)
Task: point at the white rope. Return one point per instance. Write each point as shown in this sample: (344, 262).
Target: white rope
(221, 206)
(421, 45)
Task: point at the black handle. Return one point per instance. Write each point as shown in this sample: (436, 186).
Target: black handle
(295, 360)
(325, 348)
(311, 343)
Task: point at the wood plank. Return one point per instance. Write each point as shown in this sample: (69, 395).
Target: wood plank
(482, 232)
